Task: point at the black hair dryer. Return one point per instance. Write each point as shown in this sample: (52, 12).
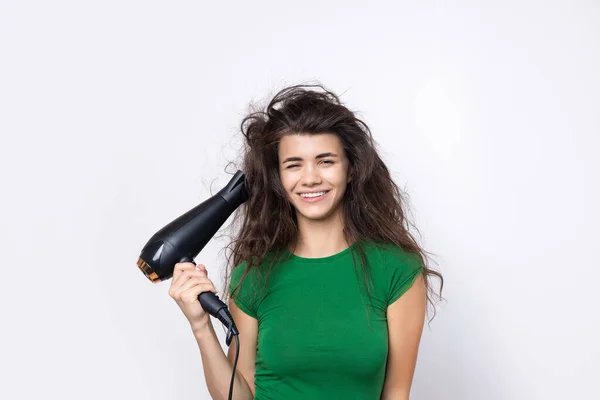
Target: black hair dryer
(182, 240)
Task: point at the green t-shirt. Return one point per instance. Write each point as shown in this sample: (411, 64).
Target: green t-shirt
(315, 338)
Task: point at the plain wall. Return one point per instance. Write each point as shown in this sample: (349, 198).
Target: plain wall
(118, 116)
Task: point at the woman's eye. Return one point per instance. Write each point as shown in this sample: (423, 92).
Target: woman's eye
(297, 165)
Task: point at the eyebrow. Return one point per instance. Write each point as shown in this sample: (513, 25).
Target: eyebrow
(322, 155)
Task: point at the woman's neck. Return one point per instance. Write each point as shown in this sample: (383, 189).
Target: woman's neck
(320, 238)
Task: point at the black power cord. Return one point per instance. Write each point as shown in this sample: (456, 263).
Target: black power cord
(225, 317)
(237, 353)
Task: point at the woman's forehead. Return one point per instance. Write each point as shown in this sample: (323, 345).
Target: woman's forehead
(309, 145)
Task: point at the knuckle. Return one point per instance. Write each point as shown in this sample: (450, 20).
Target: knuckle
(199, 278)
(210, 286)
(205, 281)
(193, 274)
(184, 265)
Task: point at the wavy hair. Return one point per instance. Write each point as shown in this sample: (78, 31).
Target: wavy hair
(373, 206)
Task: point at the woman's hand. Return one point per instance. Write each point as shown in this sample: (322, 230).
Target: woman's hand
(187, 284)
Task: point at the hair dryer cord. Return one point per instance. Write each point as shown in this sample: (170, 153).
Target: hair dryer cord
(237, 353)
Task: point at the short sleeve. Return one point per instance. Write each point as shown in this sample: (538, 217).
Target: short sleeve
(242, 296)
(404, 268)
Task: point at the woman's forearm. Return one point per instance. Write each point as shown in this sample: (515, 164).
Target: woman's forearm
(217, 369)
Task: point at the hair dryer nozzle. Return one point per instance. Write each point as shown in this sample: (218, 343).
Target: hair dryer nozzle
(148, 271)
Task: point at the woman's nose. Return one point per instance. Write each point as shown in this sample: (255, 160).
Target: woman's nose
(311, 175)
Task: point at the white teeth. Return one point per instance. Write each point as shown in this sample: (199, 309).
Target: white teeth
(312, 194)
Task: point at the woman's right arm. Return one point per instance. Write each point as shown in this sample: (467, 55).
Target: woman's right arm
(187, 285)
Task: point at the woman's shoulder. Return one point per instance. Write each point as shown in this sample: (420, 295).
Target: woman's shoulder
(390, 255)
(256, 271)
(393, 269)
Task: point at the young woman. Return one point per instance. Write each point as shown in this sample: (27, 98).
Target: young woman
(329, 289)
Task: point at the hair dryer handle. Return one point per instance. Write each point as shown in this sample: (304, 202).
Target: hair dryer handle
(211, 303)
(208, 300)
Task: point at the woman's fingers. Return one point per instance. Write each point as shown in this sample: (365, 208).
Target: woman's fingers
(183, 272)
(188, 282)
(179, 269)
(190, 279)
(191, 294)
(193, 281)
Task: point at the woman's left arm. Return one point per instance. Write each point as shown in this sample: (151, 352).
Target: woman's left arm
(405, 319)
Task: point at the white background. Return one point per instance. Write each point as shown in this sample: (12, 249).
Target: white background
(118, 116)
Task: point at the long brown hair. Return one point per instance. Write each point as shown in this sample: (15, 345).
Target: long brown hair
(373, 206)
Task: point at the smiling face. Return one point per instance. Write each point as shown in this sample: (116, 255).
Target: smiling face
(314, 163)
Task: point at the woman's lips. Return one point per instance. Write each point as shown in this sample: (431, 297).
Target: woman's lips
(314, 199)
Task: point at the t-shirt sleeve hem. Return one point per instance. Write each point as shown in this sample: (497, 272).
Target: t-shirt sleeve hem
(410, 279)
(242, 306)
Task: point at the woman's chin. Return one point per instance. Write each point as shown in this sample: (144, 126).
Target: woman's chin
(315, 215)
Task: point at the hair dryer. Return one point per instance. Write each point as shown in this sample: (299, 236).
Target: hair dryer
(182, 240)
